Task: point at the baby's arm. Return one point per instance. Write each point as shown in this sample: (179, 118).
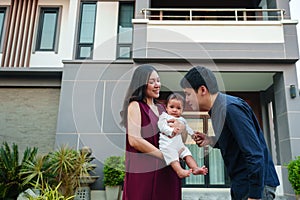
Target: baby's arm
(189, 130)
(163, 125)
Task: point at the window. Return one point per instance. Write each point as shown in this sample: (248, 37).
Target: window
(47, 29)
(124, 47)
(85, 40)
(2, 19)
(207, 156)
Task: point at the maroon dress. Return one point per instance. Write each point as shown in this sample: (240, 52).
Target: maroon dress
(147, 177)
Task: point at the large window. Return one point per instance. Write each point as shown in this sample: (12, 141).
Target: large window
(47, 30)
(2, 19)
(85, 40)
(217, 176)
(207, 156)
(124, 47)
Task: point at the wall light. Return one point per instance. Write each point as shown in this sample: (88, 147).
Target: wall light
(293, 91)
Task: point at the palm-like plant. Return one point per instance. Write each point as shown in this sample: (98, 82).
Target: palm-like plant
(36, 172)
(69, 165)
(63, 164)
(50, 193)
(10, 167)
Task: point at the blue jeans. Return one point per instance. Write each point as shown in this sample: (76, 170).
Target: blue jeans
(268, 194)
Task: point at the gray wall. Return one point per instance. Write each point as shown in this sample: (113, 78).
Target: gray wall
(28, 117)
(92, 95)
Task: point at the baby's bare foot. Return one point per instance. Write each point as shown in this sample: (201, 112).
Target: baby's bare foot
(200, 170)
(184, 173)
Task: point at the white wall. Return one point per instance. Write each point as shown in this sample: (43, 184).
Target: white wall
(106, 31)
(66, 35)
(231, 33)
(295, 14)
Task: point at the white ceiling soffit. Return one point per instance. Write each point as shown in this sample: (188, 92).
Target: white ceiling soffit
(228, 81)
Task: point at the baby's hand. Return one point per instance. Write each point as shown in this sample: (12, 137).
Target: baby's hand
(193, 136)
(176, 131)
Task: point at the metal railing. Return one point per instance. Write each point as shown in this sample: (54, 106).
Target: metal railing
(213, 14)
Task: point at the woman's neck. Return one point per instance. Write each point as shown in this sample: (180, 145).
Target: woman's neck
(150, 101)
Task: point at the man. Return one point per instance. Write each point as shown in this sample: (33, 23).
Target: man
(237, 134)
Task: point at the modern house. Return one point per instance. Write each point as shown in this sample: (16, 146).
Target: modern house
(66, 65)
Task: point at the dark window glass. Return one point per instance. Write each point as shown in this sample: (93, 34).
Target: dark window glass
(86, 31)
(46, 37)
(2, 18)
(124, 47)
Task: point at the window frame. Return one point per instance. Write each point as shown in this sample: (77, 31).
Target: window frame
(120, 45)
(2, 26)
(42, 11)
(205, 120)
(78, 44)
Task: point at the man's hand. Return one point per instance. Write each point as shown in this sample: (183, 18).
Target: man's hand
(201, 139)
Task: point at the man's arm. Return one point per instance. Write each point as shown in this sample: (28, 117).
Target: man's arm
(245, 129)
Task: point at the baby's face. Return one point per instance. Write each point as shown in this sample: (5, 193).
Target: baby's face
(174, 108)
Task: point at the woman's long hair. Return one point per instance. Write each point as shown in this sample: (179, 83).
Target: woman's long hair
(137, 89)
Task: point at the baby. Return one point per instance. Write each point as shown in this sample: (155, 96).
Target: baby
(170, 141)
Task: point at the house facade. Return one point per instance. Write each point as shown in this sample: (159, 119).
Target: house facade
(66, 65)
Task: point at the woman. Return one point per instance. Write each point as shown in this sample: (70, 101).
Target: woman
(147, 177)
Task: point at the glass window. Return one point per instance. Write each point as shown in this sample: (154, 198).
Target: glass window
(2, 18)
(207, 156)
(126, 12)
(47, 30)
(86, 31)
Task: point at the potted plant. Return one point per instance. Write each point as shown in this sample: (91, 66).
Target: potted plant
(86, 167)
(49, 193)
(114, 173)
(294, 175)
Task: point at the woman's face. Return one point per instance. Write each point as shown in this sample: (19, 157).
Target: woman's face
(153, 86)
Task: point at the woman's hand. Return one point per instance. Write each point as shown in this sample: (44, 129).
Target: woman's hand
(177, 126)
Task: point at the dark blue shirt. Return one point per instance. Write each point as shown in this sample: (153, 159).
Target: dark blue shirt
(243, 147)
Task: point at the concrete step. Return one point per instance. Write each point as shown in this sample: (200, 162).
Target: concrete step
(211, 194)
(190, 194)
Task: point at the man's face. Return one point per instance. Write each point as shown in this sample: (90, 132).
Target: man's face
(191, 98)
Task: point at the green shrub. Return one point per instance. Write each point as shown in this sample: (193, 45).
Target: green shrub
(294, 174)
(62, 167)
(114, 170)
(10, 168)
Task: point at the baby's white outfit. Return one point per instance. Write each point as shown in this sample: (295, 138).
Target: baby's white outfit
(171, 146)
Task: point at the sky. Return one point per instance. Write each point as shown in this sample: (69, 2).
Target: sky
(295, 14)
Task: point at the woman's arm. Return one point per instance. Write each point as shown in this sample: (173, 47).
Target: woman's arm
(134, 132)
(176, 124)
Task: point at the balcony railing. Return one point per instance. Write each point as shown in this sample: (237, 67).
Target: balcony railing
(214, 14)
